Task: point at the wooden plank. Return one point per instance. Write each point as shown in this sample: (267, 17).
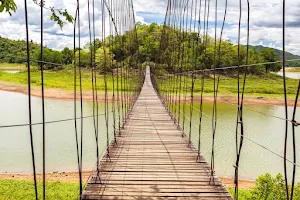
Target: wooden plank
(151, 160)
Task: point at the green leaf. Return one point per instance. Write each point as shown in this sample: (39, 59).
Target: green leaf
(1, 7)
(54, 17)
(8, 5)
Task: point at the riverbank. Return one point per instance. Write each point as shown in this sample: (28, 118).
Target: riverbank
(292, 69)
(63, 94)
(260, 90)
(53, 93)
(66, 186)
(64, 177)
(72, 177)
(12, 66)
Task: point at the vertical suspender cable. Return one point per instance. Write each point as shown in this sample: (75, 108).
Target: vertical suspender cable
(81, 100)
(93, 69)
(294, 140)
(113, 78)
(194, 65)
(186, 63)
(75, 105)
(29, 100)
(105, 78)
(285, 100)
(43, 101)
(191, 107)
(96, 91)
(240, 106)
(214, 112)
(202, 79)
(79, 154)
(238, 113)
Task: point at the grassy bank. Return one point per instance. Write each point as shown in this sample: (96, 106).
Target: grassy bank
(243, 194)
(63, 79)
(269, 85)
(22, 189)
(11, 66)
(266, 187)
(294, 69)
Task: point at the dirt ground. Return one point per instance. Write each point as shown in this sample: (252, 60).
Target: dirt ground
(61, 94)
(64, 177)
(243, 184)
(72, 177)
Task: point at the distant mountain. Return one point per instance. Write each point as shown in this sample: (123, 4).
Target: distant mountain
(288, 56)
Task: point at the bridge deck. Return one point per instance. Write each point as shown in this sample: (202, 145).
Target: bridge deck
(152, 160)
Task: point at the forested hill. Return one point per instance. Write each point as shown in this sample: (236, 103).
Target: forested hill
(14, 51)
(288, 56)
(149, 36)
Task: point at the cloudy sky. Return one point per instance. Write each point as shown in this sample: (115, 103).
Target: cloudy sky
(265, 21)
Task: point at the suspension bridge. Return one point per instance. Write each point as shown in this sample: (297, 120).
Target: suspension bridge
(153, 159)
(148, 112)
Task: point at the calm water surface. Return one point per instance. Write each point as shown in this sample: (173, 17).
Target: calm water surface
(263, 141)
(12, 71)
(15, 151)
(262, 132)
(295, 75)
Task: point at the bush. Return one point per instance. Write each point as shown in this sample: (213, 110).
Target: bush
(269, 188)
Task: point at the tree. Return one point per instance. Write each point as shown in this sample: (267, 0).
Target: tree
(270, 55)
(52, 57)
(90, 46)
(85, 58)
(104, 59)
(10, 6)
(67, 56)
(271, 188)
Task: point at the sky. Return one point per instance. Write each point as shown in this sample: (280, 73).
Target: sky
(265, 21)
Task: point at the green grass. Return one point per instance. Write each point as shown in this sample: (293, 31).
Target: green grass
(63, 79)
(7, 66)
(243, 194)
(22, 189)
(294, 69)
(269, 85)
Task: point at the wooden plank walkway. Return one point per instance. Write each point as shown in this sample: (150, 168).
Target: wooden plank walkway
(152, 160)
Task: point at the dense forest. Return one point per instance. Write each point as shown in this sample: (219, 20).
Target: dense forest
(14, 51)
(150, 49)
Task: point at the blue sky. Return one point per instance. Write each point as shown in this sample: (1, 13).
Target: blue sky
(265, 22)
(150, 17)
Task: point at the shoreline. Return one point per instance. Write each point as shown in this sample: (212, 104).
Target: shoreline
(62, 94)
(72, 177)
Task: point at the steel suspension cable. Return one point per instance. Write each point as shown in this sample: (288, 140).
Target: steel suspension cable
(105, 68)
(43, 100)
(285, 100)
(294, 140)
(81, 94)
(75, 101)
(240, 108)
(202, 78)
(111, 44)
(29, 99)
